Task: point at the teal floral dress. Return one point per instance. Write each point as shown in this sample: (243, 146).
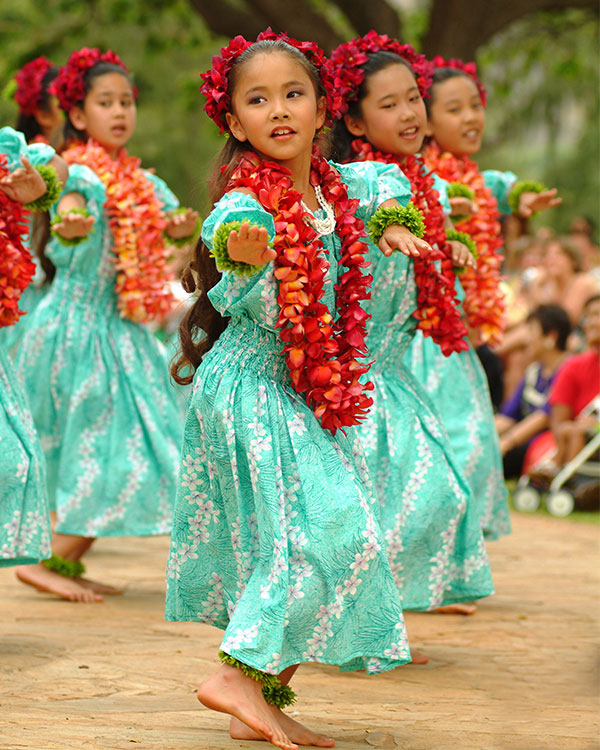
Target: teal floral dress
(108, 417)
(500, 183)
(276, 538)
(24, 517)
(458, 387)
(430, 521)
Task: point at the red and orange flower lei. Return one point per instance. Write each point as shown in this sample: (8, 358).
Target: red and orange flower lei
(16, 266)
(437, 306)
(322, 353)
(137, 221)
(484, 303)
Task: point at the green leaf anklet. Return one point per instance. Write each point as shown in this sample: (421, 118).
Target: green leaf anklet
(53, 189)
(69, 241)
(273, 691)
(523, 186)
(64, 567)
(409, 217)
(221, 254)
(453, 236)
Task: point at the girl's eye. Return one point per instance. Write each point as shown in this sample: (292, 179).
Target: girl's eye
(454, 110)
(414, 98)
(105, 103)
(256, 99)
(294, 94)
(389, 106)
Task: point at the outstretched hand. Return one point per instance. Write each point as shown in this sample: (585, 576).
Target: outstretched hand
(73, 225)
(461, 206)
(461, 256)
(397, 237)
(530, 202)
(250, 244)
(182, 224)
(24, 185)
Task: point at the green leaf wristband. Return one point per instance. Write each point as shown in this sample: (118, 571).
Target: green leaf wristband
(453, 236)
(180, 242)
(409, 217)
(459, 190)
(221, 254)
(273, 691)
(69, 241)
(53, 189)
(64, 567)
(523, 186)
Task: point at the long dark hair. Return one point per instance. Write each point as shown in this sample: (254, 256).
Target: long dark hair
(203, 324)
(28, 124)
(340, 138)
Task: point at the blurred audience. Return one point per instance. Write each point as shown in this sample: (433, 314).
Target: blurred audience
(526, 412)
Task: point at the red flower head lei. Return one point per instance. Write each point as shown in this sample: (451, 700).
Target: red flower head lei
(215, 86)
(322, 351)
(345, 66)
(16, 267)
(28, 94)
(68, 85)
(469, 68)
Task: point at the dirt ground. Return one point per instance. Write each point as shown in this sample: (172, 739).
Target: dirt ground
(521, 674)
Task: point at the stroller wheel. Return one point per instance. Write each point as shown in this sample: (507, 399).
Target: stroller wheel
(560, 503)
(526, 499)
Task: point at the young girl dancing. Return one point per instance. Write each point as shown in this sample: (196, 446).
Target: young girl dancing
(431, 527)
(108, 418)
(39, 120)
(275, 537)
(24, 520)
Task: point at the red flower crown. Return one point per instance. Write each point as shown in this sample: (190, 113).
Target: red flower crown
(469, 68)
(68, 85)
(345, 63)
(215, 86)
(29, 92)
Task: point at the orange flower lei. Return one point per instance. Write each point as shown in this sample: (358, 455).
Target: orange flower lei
(322, 353)
(136, 219)
(16, 266)
(484, 303)
(437, 307)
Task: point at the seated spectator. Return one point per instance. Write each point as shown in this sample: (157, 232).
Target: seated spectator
(574, 395)
(526, 413)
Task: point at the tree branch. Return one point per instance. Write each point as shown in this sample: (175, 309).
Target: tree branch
(229, 20)
(372, 14)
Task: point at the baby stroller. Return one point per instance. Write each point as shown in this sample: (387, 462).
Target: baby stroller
(575, 486)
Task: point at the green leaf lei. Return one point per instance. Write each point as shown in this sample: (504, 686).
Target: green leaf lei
(453, 236)
(64, 567)
(273, 691)
(409, 217)
(182, 241)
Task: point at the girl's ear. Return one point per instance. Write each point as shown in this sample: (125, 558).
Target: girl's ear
(355, 125)
(235, 127)
(78, 118)
(321, 112)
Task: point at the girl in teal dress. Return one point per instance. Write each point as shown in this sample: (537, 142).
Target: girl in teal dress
(24, 518)
(275, 534)
(108, 417)
(431, 525)
(455, 126)
(39, 119)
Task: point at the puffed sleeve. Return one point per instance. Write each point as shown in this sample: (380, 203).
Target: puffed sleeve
(253, 296)
(373, 183)
(39, 153)
(163, 192)
(500, 183)
(14, 145)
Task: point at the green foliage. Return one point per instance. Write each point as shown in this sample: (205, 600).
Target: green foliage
(542, 116)
(409, 217)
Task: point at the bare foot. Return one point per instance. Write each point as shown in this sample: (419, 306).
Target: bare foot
(297, 732)
(418, 657)
(98, 588)
(460, 608)
(230, 691)
(49, 582)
